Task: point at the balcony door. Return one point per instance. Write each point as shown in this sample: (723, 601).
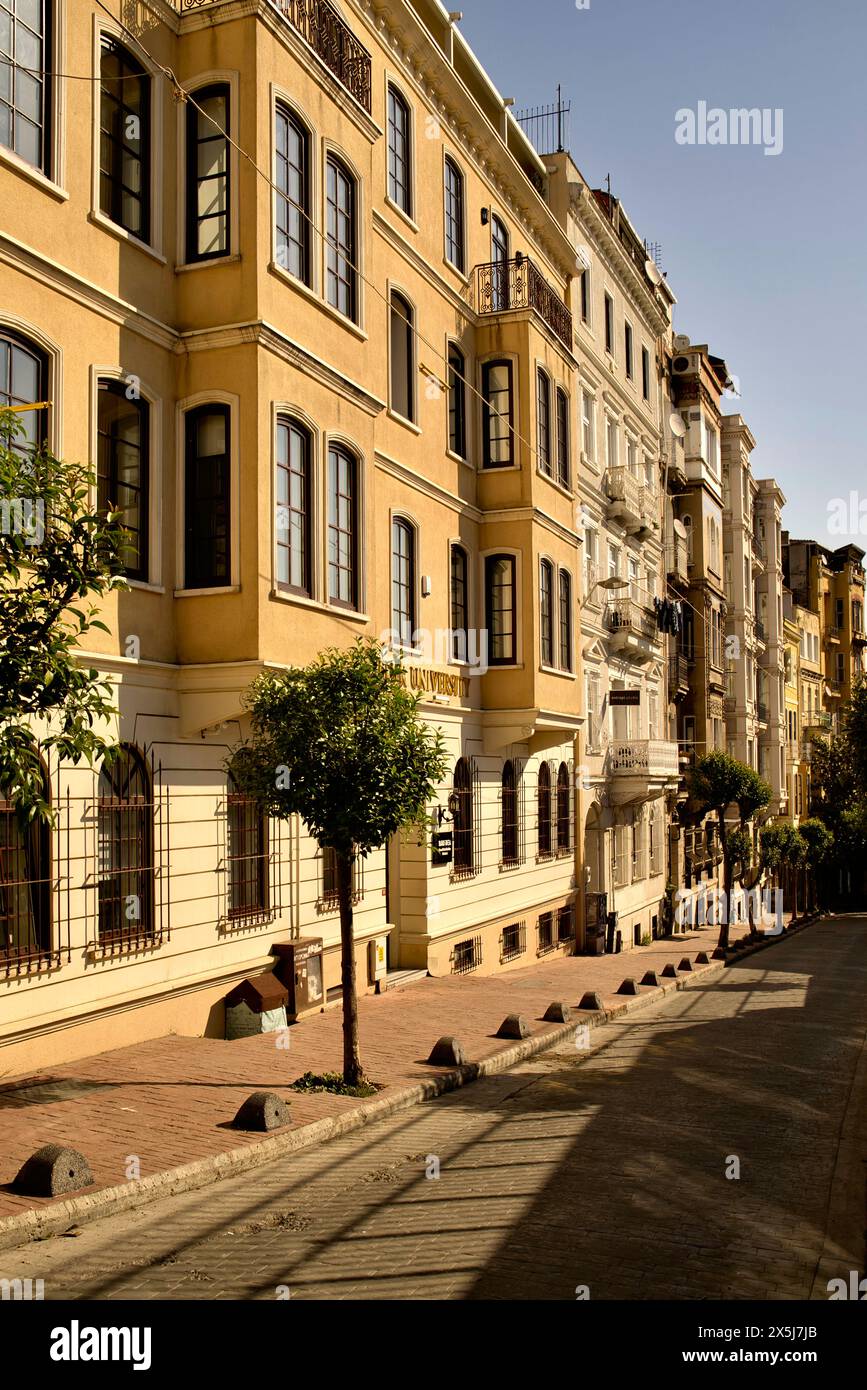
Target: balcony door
(500, 260)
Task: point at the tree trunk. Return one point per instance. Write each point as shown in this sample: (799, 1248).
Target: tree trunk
(723, 943)
(794, 876)
(352, 1073)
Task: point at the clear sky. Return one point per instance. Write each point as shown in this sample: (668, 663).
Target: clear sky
(767, 255)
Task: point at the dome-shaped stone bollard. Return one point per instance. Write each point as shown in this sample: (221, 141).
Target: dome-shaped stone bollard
(513, 1026)
(557, 1013)
(53, 1171)
(447, 1052)
(262, 1112)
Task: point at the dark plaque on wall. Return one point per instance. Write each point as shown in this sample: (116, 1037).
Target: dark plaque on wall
(441, 847)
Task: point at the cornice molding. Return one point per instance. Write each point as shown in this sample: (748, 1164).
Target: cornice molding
(404, 474)
(600, 232)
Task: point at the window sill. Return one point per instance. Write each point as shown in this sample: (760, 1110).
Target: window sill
(402, 214)
(207, 264)
(500, 468)
(146, 587)
(557, 671)
(556, 484)
(207, 593)
(35, 176)
(399, 419)
(105, 224)
(456, 270)
(349, 324)
(495, 666)
(299, 601)
(458, 458)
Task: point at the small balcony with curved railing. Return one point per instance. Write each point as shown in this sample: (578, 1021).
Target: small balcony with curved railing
(503, 287)
(633, 630)
(640, 769)
(630, 501)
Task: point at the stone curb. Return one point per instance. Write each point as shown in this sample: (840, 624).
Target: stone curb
(39, 1224)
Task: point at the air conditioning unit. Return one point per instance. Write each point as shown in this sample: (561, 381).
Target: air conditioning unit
(682, 365)
(681, 342)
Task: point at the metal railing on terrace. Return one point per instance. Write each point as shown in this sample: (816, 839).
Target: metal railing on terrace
(502, 286)
(625, 615)
(320, 25)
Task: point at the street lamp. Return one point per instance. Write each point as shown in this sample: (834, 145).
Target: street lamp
(612, 583)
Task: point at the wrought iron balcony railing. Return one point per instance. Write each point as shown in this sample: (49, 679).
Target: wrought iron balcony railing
(677, 559)
(625, 615)
(331, 39)
(678, 672)
(761, 631)
(519, 284)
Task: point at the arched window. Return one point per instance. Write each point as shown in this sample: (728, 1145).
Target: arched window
(23, 380)
(207, 519)
(342, 274)
(500, 266)
(25, 884)
(343, 584)
(124, 139)
(208, 174)
(464, 851)
(403, 581)
(125, 829)
(402, 357)
(399, 165)
(247, 855)
(459, 599)
(294, 497)
(454, 214)
(25, 94)
(292, 177)
(546, 611)
(457, 402)
(510, 814)
(564, 811)
(122, 469)
(543, 811)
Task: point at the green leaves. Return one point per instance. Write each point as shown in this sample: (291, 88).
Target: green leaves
(718, 781)
(73, 554)
(361, 764)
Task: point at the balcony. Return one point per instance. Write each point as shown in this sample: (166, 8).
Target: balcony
(503, 286)
(630, 502)
(641, 768)
(760, 631)
(320, 25)
(678, 675)
(859, 637)
(762, 712)
(632, 630)
(677, 560)
(819, 719)
(833, 634)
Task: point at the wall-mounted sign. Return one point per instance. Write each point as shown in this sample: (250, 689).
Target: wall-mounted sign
(426, 681)
(624, 697)
(442, 844)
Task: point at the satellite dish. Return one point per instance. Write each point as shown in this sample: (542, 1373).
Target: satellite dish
(653, 273)
(681, 342)
(582, 256)
(678, 428)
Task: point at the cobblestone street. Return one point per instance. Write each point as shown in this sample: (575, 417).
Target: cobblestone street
(608, 1172)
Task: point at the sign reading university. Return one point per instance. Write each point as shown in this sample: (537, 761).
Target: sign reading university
(426, 681)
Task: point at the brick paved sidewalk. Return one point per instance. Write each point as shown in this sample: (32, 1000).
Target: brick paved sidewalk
(169, 1101)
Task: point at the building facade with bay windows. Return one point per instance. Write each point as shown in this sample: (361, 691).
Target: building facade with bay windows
(335, 397)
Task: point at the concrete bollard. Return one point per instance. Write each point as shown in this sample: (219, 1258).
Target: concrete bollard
(447, 1052)
(513, 1026)
(557, 1013)
(261, 1112)
(53, 1171)
(591, 1000)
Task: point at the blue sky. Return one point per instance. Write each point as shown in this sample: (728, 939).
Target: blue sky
(767, 255)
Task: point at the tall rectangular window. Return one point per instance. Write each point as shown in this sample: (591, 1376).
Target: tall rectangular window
(342, 275)
(292, 177)
(208, 190)
(25, 64)
(645, 373)
(546, 612)
(122, 470)
(543, 421)
(459, 602)
(627, 349)
(342, 529)
(403, 581)
(589, 426)
(401, 356)
(293, 508)
(565, 621)
(457, 402)
(609, 324)
(454, 214)
(500, 599)
(399, 190)
(497, 414)
(563, 469)
(585, 297)
(207, 558)
(124, 139)
(612, 443)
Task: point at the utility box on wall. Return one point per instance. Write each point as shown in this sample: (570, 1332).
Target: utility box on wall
(299, 968)
(377, 960)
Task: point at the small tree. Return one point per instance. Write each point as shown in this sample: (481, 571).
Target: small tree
(718, 782)
(340, 744)
(818, 848)
(56, 551)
